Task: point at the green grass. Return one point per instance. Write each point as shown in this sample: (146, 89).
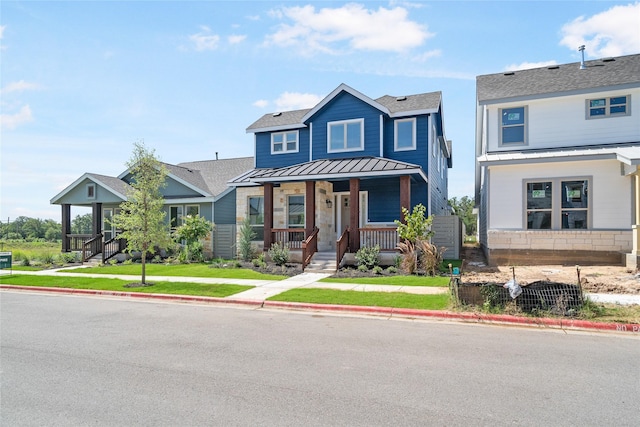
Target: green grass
(438, 281)
(99, 284)
(185, 270)
(369, 299)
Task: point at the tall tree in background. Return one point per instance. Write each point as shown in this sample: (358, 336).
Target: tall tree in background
(82, 224)
(142, 217)
(464, 209)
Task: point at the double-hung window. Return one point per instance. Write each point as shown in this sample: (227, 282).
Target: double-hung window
(513, 126)
(345, 135)
(256, 216)
(176, 214)
(405, 134)
(608, 107)
(558, 204)
(284, 142)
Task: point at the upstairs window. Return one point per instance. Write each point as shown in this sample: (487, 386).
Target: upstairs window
(513, 126)
(284, 142)
(405, 134)
(608, 107)
(346, 135)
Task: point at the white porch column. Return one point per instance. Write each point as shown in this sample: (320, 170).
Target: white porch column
(633, 259)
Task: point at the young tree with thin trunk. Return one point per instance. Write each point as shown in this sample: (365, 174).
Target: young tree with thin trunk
(141, 216)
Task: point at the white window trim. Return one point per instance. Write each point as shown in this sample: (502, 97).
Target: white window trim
(93, 186)
(174, 226)
(255, 196)
(186, 209)
(413, 134)
(344, 123)
(556, 202)
(284, 142)
(607, 108)
(525, 124)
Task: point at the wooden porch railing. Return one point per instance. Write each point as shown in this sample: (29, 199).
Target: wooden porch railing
(77, 240)
(292, 237)
(112, 247)
(309, 247)
(385, 237)
(91, 247)
(342, 246)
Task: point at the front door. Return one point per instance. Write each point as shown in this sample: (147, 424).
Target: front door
(343, 211)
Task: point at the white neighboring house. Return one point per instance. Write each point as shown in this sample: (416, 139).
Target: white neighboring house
(557, 163)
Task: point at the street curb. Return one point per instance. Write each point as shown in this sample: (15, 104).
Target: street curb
(139, 295)
(542, 322)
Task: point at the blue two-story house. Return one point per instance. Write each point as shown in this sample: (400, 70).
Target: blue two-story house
(335, 177)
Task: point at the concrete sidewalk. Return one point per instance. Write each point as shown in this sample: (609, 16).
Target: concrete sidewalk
(264, 289)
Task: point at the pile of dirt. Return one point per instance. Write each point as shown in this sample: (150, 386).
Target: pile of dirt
(599, 279)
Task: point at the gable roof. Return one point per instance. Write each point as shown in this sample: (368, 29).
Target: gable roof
(565, 79)
(393, 106)
(110, 183)
(216, 173)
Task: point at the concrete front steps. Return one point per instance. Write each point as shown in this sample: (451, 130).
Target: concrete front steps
(322, 262)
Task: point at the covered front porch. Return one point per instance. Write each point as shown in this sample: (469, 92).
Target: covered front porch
(330, 206)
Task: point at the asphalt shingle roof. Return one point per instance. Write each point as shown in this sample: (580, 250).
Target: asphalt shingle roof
(112, 182)
(601, 73)
(216, 173)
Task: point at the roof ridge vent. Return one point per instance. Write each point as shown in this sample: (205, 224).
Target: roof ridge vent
(401, 98)
(509, 73)
(277, 114)
(553, 67)
(608, 59)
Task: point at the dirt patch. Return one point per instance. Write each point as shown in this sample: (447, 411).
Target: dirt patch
(599, 279)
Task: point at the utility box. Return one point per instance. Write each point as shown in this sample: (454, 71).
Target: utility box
(5, 260)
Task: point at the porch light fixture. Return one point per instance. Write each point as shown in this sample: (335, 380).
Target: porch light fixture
(329, 203)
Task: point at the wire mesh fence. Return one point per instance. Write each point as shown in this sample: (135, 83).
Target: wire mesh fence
(541, 296)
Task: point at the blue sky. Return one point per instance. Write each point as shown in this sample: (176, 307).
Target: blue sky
(81, 81)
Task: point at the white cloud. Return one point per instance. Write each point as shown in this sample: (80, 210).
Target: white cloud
(529, 65)
(295, 101)
(12, 121)
(423, 57)
(204, 40)
(261, 103)
(235, 39)
(328, 30)
(613, 32)
(19, 86)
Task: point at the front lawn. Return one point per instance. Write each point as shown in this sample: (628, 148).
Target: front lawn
(184, 270)
(437, 281)
(99, 284)
(368, 299)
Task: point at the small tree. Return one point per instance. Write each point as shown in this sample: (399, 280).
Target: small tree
(416, 226)
(247, 235)
(142, 216)
(194, 228)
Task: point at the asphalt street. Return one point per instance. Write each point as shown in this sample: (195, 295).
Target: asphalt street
(76, 360)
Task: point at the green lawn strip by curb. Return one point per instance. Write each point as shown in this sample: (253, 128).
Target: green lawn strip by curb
(98, 284)
(369, 299)
(184, 270)
(438, 281)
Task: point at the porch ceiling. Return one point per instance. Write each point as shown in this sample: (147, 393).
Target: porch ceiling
(337, 169)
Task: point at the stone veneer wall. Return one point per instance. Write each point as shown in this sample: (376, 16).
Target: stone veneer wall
(324, 214)
(558, 246)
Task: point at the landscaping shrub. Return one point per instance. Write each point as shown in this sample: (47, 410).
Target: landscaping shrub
(279, 254)
(247, 234)
(368, 256)
(377, 269)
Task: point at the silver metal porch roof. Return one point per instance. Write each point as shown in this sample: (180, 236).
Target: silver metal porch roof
(331, 170)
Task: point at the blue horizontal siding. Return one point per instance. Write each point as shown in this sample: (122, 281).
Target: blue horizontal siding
(346, 107)
(264, 158)
(419, 156)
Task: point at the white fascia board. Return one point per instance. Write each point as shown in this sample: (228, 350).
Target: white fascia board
(278, 128)
(400, 114)
(494, 160)
(349, 90)
(190, 200)
(333, 177)
(175, 178)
